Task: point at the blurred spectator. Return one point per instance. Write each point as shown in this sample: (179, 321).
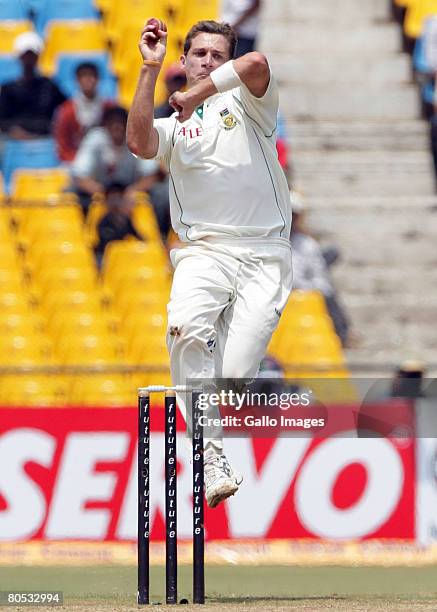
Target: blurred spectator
(282, 145)
(433, 125)
(27, 105)
(104, 158)
(174, 81)
(243, 16)
(77, 116)
(430, 43)
(310, 270)
(117, 223)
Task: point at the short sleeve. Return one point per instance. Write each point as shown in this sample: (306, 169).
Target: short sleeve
(166, 129)
(84, 161)
(146, 167)
(263, 111)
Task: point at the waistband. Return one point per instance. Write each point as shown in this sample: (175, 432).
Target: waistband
(243, 241)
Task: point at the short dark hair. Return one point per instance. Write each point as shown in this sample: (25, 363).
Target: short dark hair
(114, 113)
(212, 27)
(87, 66)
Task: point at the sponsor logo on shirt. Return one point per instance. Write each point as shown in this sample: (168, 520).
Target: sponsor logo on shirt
(190, 133)
(228, 119)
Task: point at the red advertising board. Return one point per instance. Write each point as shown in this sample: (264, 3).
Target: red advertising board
(70, 473)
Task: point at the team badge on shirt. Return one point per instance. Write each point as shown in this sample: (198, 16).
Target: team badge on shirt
(229, 120)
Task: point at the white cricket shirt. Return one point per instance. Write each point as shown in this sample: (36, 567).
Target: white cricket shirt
(225, 178)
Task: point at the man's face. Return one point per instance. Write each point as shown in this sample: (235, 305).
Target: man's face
(117, 131)
(207, 52)
(29, 60)
(87, 80)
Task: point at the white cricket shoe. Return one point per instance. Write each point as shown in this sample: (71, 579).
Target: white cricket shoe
(221, 481)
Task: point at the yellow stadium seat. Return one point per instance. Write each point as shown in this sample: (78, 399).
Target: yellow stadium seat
(11, 280)
(131, 302)
(314, 350)
(32, 390)
(142, 323)
(125, 51)
(105, 5)
(129, 253)
(8, 255)
(150, 351)
(9, 30)
(416, 15)
(198, 10)
(17, 324)
(5, 224)
(67, 278)
(80, 323)
(136, 279)
(89, 350)
(134, 11)
(71, 36)
(304, 303)
(127, 82)
(36, 216)
(96, 212)
(61, 300)
(65, 253)
(22, 349)
(21, 210)
(39, 184)
(2, 188)
(103, 390)
(53, 231)
(144, 220)
(14, 302)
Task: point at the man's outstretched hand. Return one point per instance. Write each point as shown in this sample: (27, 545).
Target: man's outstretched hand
(153, 41)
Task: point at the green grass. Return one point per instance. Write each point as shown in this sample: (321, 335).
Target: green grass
(336, 588)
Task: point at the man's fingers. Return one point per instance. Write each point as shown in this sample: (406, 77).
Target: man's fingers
(149, 37)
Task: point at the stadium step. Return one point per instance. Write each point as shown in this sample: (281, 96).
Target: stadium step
(321, 11)
(384, 280)
(380, 70)
(409, 135)
(312, 39)
(340, 101)
(364, 172)
(386, 360)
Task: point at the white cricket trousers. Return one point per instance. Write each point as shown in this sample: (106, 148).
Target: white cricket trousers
(225, 303)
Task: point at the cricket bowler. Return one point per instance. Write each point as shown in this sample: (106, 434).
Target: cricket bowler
(230, 206)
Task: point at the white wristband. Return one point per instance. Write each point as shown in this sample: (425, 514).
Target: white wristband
(225, 77)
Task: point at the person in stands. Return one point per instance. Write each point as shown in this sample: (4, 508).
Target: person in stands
(28, 104)
(103, 158)
(75, 117)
